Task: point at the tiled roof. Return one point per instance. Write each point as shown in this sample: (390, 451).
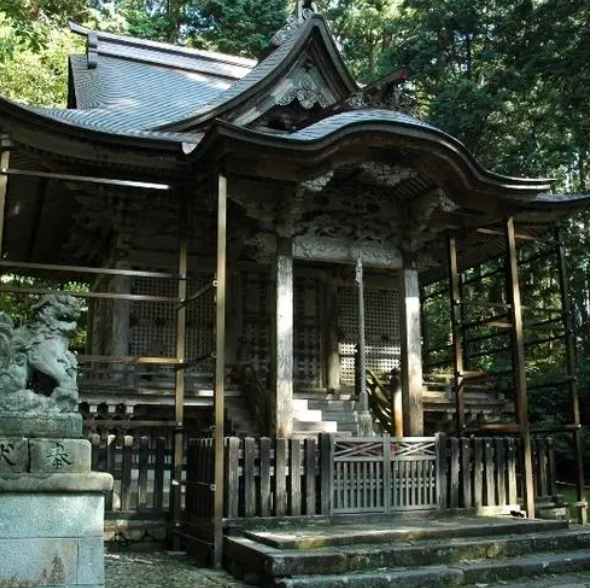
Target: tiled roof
(120, 96)
(334, 123)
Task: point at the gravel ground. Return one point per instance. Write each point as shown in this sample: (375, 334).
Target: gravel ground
(159, 569)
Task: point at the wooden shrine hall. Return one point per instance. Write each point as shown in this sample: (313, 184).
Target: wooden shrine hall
(259, 243)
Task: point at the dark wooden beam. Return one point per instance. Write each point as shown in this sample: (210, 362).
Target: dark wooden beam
(37, 216)
(218, 437)
(570, 346)
(4, 163)
(518, 363)
(411, 349)
(457, 333)
(179, 384)
(282, 352)
(6, 171)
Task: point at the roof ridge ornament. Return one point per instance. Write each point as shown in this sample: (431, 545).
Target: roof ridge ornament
(92, 49)
(305, 10)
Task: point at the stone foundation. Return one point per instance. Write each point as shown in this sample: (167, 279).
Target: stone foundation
(51, 529)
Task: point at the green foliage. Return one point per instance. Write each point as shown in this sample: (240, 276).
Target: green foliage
(33, 59)
(363, 30)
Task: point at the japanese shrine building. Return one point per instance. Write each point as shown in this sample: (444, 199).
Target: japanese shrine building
(226, 212)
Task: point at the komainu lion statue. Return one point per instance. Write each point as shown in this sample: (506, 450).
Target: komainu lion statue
(37, 370)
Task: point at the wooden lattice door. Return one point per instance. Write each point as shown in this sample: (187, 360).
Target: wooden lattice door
(383, 341)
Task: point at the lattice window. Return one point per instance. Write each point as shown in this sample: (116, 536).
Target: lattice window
(153, 325)
(382, 330)
(307, 329)
(254, 344)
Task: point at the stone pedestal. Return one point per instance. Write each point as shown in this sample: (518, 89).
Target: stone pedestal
(51, 514)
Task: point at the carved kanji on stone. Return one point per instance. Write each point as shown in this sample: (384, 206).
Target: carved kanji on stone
(6, 450)
(58, 457)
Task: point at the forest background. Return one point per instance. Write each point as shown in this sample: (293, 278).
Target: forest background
(509, 78)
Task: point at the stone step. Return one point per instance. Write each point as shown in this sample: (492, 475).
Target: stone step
(335, 405)
(374, 556)
(309, 416)
(478, 573)
(315, 427)
(369, 553)
(403, 530)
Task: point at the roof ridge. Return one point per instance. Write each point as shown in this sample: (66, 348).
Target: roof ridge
(161, 47)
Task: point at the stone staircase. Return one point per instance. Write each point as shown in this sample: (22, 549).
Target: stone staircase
(410, 552)
(316, 411)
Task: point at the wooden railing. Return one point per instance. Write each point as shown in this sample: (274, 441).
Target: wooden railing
(140, 466)
(267, 477)
(478, 472)
(256, 393)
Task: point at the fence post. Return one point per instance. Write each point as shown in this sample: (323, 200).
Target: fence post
(454, 479)
(511, 471)
(466, 471)
(441, 472)
(326, 473)
(309, 449)
(265, 494)
(249, 477)
(280, 477)
(232, 480)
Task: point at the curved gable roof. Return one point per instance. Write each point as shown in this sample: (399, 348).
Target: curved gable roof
(269, 71)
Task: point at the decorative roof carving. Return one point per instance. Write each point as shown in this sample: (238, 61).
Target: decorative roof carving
(305, 90)
(343, 251)
(92, 49)
(385, 174)
(305, 10)
(318, 183)
(446, 204)
(387, 93)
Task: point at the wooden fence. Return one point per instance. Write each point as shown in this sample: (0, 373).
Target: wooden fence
(384, 474)
(277, 477)
(478, 472)
(140, 466)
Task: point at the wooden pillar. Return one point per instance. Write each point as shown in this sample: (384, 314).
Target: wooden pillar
(330, 328)
(518, 364)
(457, 333)
(4, 165)
(176, 481)
(411, 348)
(218, 439)
(119, 327)
(283, 339)
(573, 380)
(365, 420)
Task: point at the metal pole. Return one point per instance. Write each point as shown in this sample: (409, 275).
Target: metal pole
(455, 299)
(180, 373)
(364, 416)
(573, 382)
(218, 439)
(518, 363)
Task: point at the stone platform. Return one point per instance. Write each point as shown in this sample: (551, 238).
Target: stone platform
(52, 514)
(385, 551)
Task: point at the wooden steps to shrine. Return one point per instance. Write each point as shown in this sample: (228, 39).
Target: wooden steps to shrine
(409, 551)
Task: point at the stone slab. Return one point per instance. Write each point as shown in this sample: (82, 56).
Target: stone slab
(48, 426)
(66, 456)
(14, 455)
(38, 561)
(43, 515)
(91, 561)
(61, 483)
